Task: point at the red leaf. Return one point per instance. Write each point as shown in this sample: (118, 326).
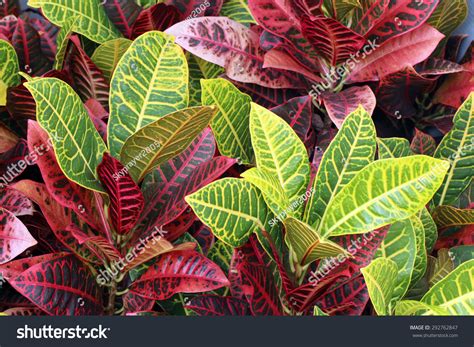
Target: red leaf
(213, 305)
(401, 16)
(282, 58)
(15, 202)
(14, 268)
(89, 80)
(179, 272)
(123, 14)
(180, 225)
(98, 114)
(371, 16)
(340, 105)
(309, 7)
(434, 66)
(64, 191)
(61, 286)
(126, 199)
(157, 17)
(136, 303)
(48, 33)
(233, 46)
(13, 163)
(423, 143)
(8, 7)
(333, 40)
(267, 97)
(98, 245)
(397, 93)
(14, 237)
(23, 311)
(396, 54)
(27, 43)
(7, 27)
(464, 236)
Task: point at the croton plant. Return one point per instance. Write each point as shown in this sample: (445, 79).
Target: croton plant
(225, 157)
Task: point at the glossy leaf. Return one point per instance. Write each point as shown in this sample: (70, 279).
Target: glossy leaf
(222, 205)
(126, 199)
(423, 143)
(144, 88)
(212, 305)
(297, 112)
(449, 216)
(108, 54)
(457, 146)
(440, 267)
(380, 277)
(409, 182)
(14, 237)
(280, 152)
(157, 17)
(448, 15)
(352, 149)
(238, 11)
(123, 14)
(9, 74)
(61, 113)
(164, 139)
(62, 40)
(231, 122)
(394, 147)
(93, 22)
(237, 50)
(191, 273)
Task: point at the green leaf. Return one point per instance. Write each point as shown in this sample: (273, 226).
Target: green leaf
(448, 16)
(318, 312)
(458, 147)
(231, 123)
(108, 54)
(8, 70)
(455, 292)
(232, 208)
(238, 10)
(382, 193)
(208, 69)
(417, 308)
(400, 246)
(62, 40)
(440, 267)
(195, 76)
(149, 82)
(280, 151)
(352, 149)
(93, 23)
(163, 139)
(394, 148)
(421, 260)
(448, 216)
(461, 254)
(429, 226)
(380, 277)
(77, 144)
(271, 189)
(221, 254)
(306, 243)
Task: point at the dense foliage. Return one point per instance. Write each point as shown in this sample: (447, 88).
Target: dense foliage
(219, 157)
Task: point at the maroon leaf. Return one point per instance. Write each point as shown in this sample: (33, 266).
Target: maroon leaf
(213, 305)
(61, 286)
(13, 163)
(196, 8)
(27, 43)
(48, 33)
(7, 27)
(123, 14)
(179, 272)
(98, 115)
(464, 236)
(371, 16)
(15, 202)
(126, 199)
(14, 237)
(89, 80)
(64, 191)
(283, 58)
(8, 7)
(397, 93)
(333, 40)
(396, 54)
(42, 232)
(340, 105)
(180, 225)
(434, 66)
(297, 112)
(308, 7)
(349, 298)
(98, 245)
(204, 237)
(423, 143)
(136, 303)
(23, 311)
(401, 16)
(157, 17)
(233, 46)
